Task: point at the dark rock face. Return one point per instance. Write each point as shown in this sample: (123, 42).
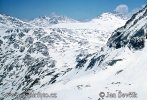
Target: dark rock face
(29, 41)
(135, 42)
(94, 60)
(81, 62)
(53, 80)
(118, 40)
(1, 42)
(39, 47)
(112, 62)
(22, 48)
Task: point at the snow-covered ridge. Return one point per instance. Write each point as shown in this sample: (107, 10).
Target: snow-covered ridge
(107, 16)
(106, 22)
(48, 21)
(8, 21)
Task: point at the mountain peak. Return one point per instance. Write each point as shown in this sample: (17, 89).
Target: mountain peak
(51, 20)
(110, 16)
(7, 20)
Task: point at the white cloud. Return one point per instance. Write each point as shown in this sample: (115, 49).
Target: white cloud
(143, 5)
(121, 9)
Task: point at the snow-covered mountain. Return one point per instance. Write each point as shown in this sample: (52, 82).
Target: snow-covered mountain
(118, 71)
(8, 21)
(70, 58)
(48, 21)
(106, 22)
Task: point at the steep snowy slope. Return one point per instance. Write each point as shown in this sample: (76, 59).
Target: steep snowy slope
(118, 70)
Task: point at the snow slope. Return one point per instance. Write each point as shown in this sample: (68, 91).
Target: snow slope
(120, 67)
(126, 76)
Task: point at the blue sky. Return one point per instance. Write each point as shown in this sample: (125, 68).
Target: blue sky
(77, 9)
